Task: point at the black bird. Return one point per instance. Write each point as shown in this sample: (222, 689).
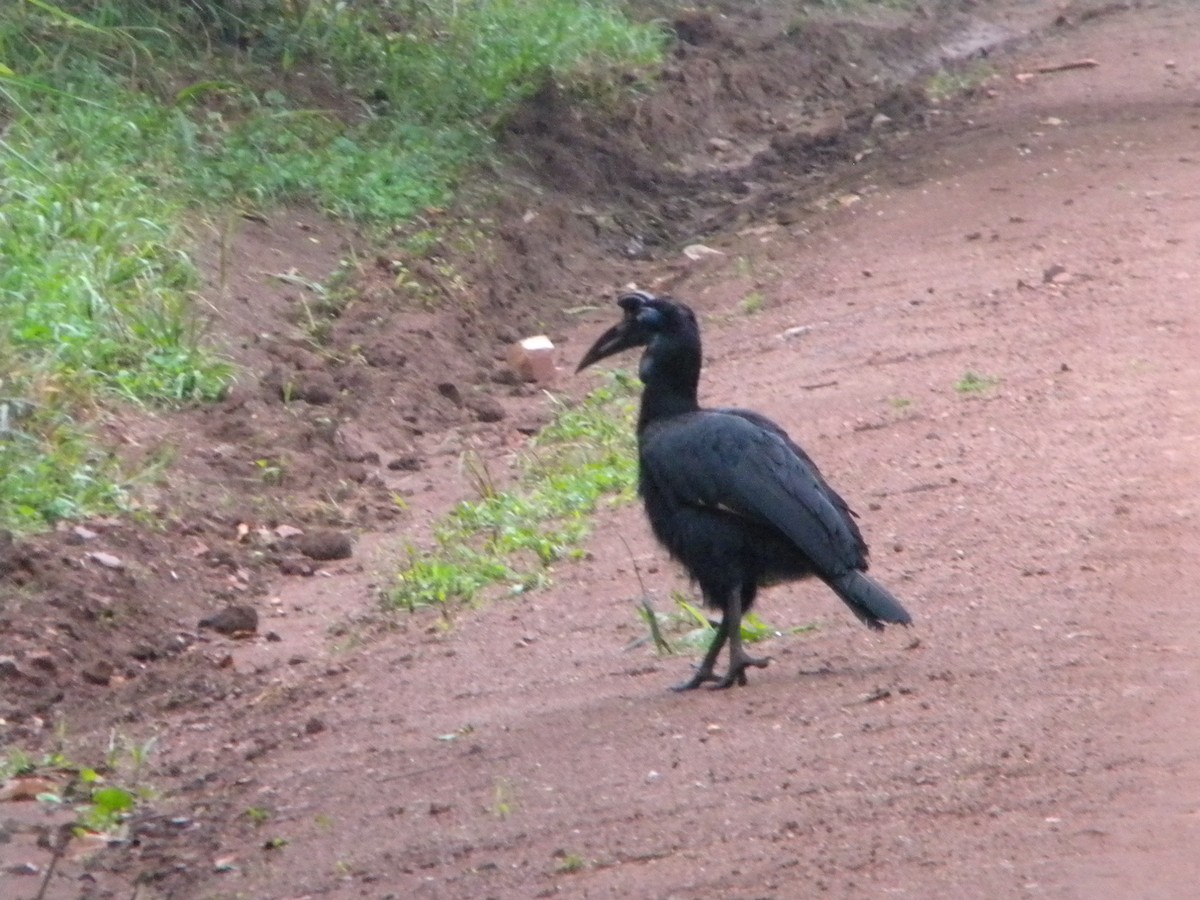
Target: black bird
(728, 493)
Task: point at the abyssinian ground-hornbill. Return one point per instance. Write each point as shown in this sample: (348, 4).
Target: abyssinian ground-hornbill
(728, 493)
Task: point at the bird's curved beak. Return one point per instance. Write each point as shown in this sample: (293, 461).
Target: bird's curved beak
(625, 334)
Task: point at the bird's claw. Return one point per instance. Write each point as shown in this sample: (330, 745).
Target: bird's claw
(737, 671)
(702, 675)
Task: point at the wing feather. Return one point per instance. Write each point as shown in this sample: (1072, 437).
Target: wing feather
(746, 464)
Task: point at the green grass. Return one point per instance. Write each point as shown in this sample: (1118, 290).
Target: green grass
(121, 119)
(974, 383)
(693, 632)
(409, 94)
(510, 537)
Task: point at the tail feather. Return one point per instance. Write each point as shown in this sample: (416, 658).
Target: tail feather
(869, 600)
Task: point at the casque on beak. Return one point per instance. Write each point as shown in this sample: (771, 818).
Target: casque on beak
(629, 332)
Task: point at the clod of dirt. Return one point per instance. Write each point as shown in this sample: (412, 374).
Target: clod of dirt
(450, 391)
(107, 560)
(292, 566)
(80, 535)
(325, 545)
(13, 557)
(100, 672)
(317, 388)
(233, 620)
(409, 462)
(486, 409)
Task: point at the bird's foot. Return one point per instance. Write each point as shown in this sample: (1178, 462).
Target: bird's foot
(737, 671)
(702, 675)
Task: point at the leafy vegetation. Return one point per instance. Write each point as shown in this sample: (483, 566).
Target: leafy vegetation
(511, 536)
(101, 798)
(122, 117)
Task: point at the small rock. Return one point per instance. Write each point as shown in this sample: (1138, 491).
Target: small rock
(697, 252)
(316, 388)
(42, 659)
(293, 566)
(719, 145)
(450, 391)
(99, 672)
(795, 331)
(409, 462)
(486, 409)
(144, 653)
(25, 868)
(532, 359)
(879, 120)
(80, 535)
(1053, 273)
(233, 620)
(9, 668)
(314, 726)
(106, 559)
(324, 545)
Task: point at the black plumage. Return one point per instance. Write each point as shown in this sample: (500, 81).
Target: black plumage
(728, 493)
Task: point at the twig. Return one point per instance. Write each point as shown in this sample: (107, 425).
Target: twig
(63, 835)
(651, 616)
(1066, 66)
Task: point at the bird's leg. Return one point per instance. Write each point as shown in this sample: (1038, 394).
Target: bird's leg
(739, 659)
(704, 672)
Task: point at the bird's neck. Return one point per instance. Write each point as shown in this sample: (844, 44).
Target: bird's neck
(671, 378)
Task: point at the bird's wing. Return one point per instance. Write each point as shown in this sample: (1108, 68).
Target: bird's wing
(763, 422)
(726, 460)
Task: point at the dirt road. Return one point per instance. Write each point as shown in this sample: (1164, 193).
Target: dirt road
(1000, 369)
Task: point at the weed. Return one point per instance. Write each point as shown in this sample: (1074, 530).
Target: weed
(503, 799)
(974, 383)
(569, 863)
(258, 816)
(900, 402)
(694, 630)
(512, 536)
(272, 471)
(101, 798)
(949, 83)
(754, 302)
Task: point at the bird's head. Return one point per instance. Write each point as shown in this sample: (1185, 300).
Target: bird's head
(647, 319)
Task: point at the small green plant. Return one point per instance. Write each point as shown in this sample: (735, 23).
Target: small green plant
(272, 471)
(511, 536)
(900, 402)
(569, 863)
(258, 816)
(694, 630)
(949, 83)
(503, 799)
(974, 383)
(101, 798)
(753, 302)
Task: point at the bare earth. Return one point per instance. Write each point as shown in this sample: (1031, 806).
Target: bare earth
(1033, 735)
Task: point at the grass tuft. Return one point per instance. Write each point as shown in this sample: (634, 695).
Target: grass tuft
(511, 537)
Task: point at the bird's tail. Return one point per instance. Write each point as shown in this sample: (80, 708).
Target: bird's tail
(869, 600)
